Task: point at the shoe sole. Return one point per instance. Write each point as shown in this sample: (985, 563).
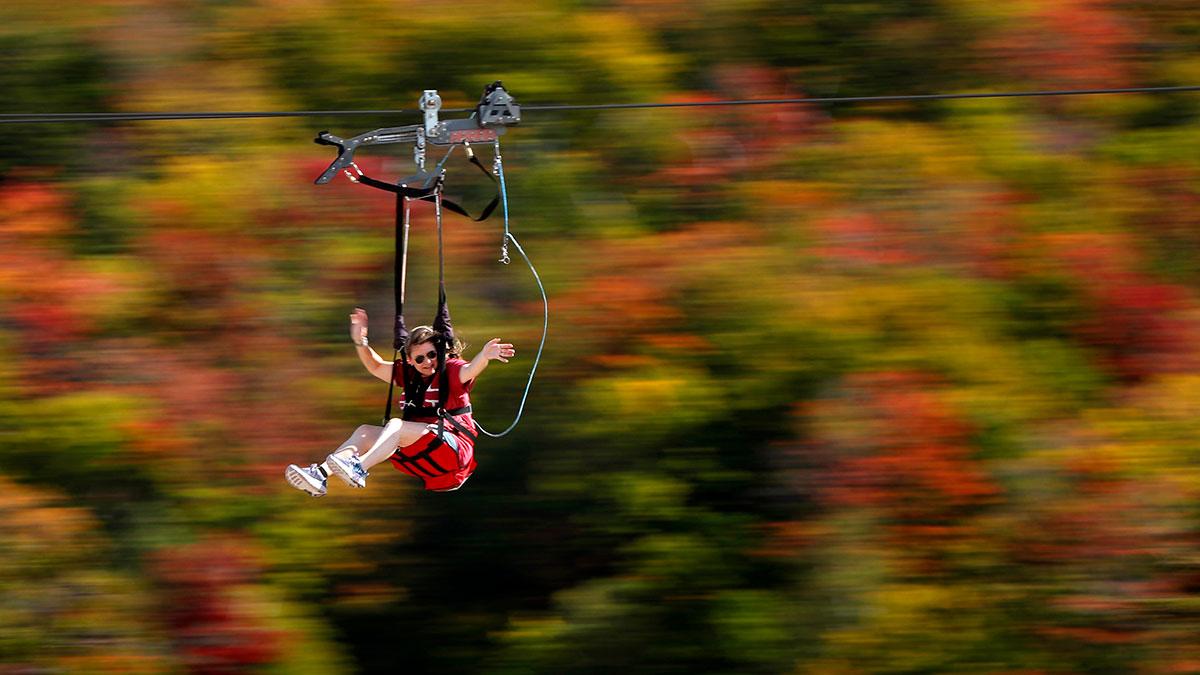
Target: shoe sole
(335, 467)
(296, 479)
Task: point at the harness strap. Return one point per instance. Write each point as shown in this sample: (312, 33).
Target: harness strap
(443, 417)
(442, 322)
(387, 412)
(402, 190)
(425, 193)
(400, 332)
(432, 411)
(487, 210)
(414, 391)
(447, 415)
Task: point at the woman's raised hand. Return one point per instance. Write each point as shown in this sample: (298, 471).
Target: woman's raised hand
(499, 351)
(358, 325)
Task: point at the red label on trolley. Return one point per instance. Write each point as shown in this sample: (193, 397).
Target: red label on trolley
(472, 135)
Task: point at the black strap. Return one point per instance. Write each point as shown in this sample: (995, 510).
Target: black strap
(403, 191)
(400, 333)
(387, 412)
(443, 388)
(427, 192)
(487, 210)
(415, 387)
(432, 411)
(441, 322)
(447, 416)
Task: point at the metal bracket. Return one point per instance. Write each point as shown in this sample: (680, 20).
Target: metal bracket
(347, 146)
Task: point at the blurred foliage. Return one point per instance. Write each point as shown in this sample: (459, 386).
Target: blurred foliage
(895, 388)
(30, 60)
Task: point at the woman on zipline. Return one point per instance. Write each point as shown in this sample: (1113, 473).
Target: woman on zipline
(437, 448)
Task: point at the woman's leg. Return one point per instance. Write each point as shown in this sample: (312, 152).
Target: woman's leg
(396, 434)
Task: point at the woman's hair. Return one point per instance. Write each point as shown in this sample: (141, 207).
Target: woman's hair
(427, 334)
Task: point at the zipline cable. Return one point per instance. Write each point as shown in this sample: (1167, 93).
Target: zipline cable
(42, 118)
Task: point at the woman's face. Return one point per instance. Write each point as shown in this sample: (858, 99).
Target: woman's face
(423, 357)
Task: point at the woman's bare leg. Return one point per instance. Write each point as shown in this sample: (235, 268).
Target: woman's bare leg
(396, 434)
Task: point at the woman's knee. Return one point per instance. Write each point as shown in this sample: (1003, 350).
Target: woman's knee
(407, 431)
(393, 424)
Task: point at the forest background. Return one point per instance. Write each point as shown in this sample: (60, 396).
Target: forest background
(894, 388)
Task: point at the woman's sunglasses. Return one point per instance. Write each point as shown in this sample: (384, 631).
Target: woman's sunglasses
(420, 358)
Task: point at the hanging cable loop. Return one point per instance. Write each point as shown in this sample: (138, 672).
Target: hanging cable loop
(508, 236)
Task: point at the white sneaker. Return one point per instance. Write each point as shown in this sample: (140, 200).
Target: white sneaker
(309, 479)
(349, 469)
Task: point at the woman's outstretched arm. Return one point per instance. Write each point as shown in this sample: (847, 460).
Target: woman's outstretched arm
(494, 349)
(370, 360)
